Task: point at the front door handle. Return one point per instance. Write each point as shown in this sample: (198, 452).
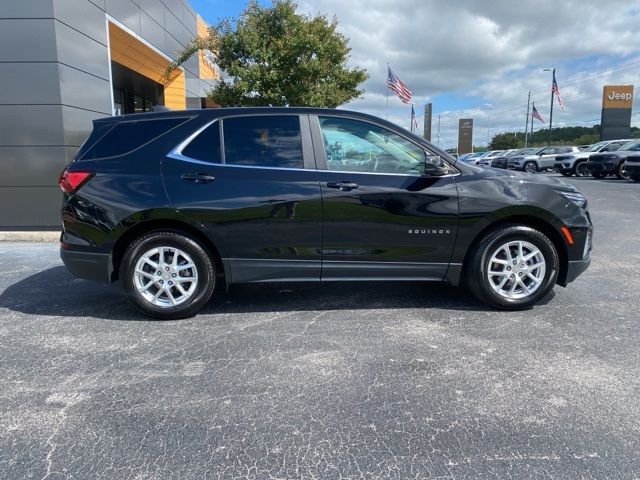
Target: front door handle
(197, 178)
(343, 186)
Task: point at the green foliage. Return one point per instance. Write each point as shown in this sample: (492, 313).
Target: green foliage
(503, 141)
(275, 56)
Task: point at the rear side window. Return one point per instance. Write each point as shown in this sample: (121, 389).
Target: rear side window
(263, 141)
(206, 146)
(129, 135)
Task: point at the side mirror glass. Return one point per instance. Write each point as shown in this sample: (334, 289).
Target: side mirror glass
(434, 166)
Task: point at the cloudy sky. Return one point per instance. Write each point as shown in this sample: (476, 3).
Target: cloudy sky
(478, 59)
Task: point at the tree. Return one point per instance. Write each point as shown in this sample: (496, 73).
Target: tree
(503, 141)
(275, 56)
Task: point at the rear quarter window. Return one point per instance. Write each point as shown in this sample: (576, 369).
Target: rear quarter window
(127, 136)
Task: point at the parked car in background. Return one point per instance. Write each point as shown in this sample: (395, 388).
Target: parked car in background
(576, 163)
(501, 160)
(583, 147)
(476, 157)
(486, 160)
(603, 164)
(173, 203)
(541, 159)
(632, 165)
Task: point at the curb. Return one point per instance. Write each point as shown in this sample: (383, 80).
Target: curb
(30, 236)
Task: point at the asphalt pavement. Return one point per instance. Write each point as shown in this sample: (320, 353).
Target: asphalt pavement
(357, 380)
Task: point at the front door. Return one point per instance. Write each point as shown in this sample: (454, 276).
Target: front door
(256, 192)
(383, 217)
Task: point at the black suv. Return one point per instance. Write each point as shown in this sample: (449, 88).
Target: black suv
(173, 203)
(601, 165)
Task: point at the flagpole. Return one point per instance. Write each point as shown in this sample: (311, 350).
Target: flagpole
(411, 118)
(526, 125)
(551, 110)
(388, 69)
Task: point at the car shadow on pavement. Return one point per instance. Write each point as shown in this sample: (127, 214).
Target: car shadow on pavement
(54, 292)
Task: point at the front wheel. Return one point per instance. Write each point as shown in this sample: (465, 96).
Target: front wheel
(167, 275)
(530, 167)
(621, 173)
(512, 268)
(581, 169)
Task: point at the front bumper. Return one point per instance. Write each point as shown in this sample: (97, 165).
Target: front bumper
(88, 265)
(575, 268)
(562, 167)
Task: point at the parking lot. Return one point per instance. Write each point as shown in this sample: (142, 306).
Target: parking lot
(357, 380)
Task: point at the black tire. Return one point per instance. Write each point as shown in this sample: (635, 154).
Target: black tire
(599, 176)
(204, 266)
(580, 169)
(566, 174)
(620, 172)
(475, 274)
(530, 167)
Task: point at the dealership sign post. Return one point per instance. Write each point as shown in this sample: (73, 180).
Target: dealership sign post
(617, 101)
(465, 136)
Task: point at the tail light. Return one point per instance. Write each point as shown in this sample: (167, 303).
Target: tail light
(70, 181)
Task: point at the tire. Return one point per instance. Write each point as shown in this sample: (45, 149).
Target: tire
(598, 175)
(491, 247)
(530, 167)
(621, 173)
(143, 255)
(581, 170)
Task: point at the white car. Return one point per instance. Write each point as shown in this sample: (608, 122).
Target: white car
(539, 159)
(575, 163)
(486, 160)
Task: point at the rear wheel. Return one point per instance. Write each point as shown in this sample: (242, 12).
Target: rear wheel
(581, 169)
(167, 275)
(530, 167)
(512, 267)
(621, 173)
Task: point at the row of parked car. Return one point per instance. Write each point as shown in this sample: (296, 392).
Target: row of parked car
(612, 157)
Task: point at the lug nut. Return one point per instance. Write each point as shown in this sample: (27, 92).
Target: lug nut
(520, 274)
(159, 273)
(173, 275)
(515, 262)
(166, 269)
(508, 269)
(512, 276)
(161, 282)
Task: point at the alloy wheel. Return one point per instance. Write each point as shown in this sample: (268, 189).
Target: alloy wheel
(530, 167)
(516, 270)
(165, 276)
(582, 170)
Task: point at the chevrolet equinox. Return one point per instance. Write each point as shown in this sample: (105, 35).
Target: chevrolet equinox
(173, 203)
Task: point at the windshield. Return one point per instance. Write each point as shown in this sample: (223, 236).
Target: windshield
(631, 147)
(514, 153)
(595, 147)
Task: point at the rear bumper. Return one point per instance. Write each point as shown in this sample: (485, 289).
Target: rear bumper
(88, 265)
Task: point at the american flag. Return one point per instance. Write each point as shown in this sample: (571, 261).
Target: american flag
(395, 84)
(536, 114)
(414, 120)
(556, 91)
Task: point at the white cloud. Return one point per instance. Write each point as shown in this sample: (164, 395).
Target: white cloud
(491, 51)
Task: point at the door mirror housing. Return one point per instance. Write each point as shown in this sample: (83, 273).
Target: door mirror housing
(434, 166)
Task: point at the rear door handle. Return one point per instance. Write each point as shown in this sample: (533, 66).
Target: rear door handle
(197, 178)
(343, 186)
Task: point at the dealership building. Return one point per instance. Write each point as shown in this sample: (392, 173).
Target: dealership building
(64, 63)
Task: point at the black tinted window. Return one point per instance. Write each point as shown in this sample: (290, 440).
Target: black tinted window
(263, 141)
(206, 146)
(129, 135)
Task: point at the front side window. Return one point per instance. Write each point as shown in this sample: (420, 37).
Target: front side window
(356, 146)
(263, 141)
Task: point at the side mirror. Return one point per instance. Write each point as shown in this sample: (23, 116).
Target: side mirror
(434, 166)
(605, 149)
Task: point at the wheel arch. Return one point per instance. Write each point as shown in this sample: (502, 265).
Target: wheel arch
(166, 225)
(537, 223)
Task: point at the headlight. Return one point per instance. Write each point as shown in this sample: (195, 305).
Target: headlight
(573, 196)
(571, 157)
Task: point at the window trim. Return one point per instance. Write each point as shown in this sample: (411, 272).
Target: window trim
(321, 154)
(305, 138)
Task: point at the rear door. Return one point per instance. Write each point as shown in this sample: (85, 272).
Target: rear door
(383, 218)
(250, 180)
